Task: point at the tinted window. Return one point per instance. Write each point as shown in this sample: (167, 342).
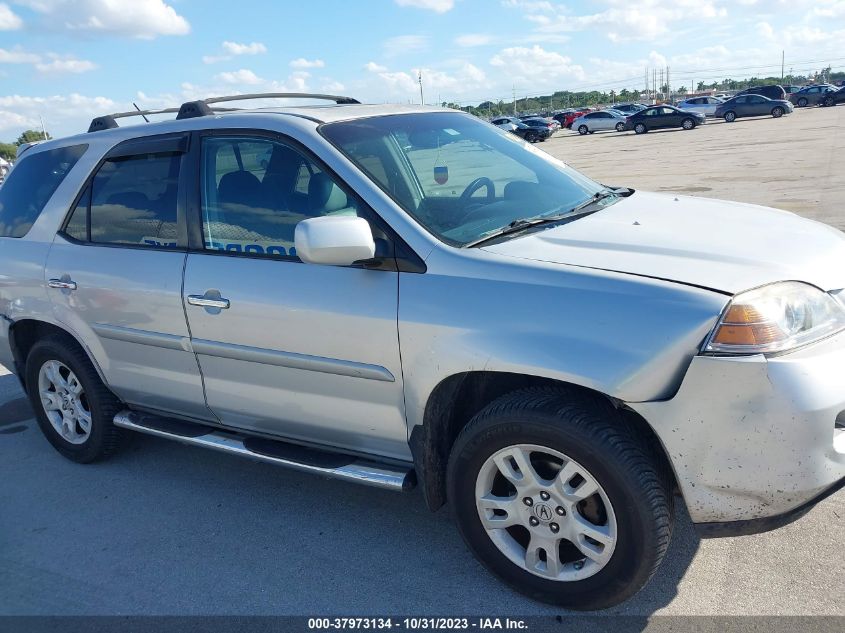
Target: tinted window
(134, 199)
(247, 210)
(30, 185)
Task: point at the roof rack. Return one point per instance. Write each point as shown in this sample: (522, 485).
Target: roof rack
(192, 109)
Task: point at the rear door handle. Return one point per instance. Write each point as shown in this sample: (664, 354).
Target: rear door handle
(206, 302)
(62, 284)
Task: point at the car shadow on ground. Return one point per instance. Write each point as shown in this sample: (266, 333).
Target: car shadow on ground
(175, 529)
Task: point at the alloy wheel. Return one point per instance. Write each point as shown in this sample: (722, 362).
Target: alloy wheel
(64, 401)
(545, 512)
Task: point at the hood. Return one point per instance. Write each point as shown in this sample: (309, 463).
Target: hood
(724, 246)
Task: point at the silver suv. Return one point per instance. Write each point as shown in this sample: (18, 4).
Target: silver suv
(400, 295)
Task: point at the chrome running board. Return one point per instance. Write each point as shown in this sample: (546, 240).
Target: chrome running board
(337, 465)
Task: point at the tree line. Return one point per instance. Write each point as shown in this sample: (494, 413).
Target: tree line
(10, 150)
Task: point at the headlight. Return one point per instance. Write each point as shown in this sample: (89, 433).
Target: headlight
(776, 318)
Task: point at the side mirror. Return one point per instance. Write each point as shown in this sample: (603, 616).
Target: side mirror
(334, 240)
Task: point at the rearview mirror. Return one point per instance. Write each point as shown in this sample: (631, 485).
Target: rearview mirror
(334, 240)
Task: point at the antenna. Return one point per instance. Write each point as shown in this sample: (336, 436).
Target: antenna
(140, 112)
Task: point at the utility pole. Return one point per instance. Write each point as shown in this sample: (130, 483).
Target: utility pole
(782, 64)
(419, 78)
(514, 99)
(43, 131)
(668, 85)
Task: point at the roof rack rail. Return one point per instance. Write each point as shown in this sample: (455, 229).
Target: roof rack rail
(107, 122)
(199, 108)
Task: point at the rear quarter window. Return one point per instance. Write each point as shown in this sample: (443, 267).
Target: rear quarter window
(31, 184)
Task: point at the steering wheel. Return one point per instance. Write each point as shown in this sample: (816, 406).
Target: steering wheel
(477, 184)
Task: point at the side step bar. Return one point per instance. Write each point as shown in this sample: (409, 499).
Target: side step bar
(337, 465)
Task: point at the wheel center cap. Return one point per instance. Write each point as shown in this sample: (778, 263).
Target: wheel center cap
(543, 512)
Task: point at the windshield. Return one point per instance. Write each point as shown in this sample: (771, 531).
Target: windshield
(459, 177)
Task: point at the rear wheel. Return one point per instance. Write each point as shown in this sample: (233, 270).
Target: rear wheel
(639, 128)
(687, 124)
(777, 112)
(827, 101)
(583, 129)
(531, 137)
(802, 102)
(556, 497)
(620, 127)
(730, 117)
(73, 407)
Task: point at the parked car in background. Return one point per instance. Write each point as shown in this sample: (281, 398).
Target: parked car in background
(791, 90)
(569, 118)
(515, 126)
(772, 91)
(722, 95)
(753, 105)
(541, 124)
(704, 105)
(811, 95)
(833, 98)
(601, 121)
(629, 108)
(662, 117)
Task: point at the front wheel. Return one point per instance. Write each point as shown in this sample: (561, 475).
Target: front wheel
(582, 129)
(730, 117)
(827, 102)
(802, 102)
(555, 495)
(687, 124)
(777, 112)
(73, 407)
(639, 128)
(620, 127)
(531, 137)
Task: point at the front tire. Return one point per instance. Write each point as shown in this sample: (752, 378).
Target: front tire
(802, 102)
(620, 127)
(639, 128)
(583, 129)
(688, 124)
(73, 407)
(827, 102)
(554, 495)
(531, 137)
(730, 117)
(777, 112)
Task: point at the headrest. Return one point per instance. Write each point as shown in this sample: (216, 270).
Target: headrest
(324, 195)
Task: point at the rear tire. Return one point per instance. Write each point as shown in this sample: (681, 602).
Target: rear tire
(67, 395)
(565, 441)
(777, 112)
(639, 128)
(827, 102)
(583, 129)
(802, 102)
(531, 137)
(730, 117)
(688, 124)
(620, 127)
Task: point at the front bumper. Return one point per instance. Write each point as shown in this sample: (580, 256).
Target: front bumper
(753, 440)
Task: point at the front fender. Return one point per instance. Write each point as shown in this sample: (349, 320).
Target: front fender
(631, 338)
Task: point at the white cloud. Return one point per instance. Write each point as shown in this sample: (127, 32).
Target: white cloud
(254, 48)
(438, 6)
(469, 40)
(301, 62)
(375, 68)
(234, 49)
(18, 56)
(334, 86)
(65, 65)
(9, 21)
(536, 64)
(242, 76)
(402, 44)
(145, 19)
(62, 113)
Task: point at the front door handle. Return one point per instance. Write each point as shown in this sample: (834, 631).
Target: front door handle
(208, 302)
(64, 284)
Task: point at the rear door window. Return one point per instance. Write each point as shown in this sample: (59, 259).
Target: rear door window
(130, 201)
(31, 184)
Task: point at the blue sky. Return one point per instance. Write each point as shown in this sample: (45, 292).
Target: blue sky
(67, 60)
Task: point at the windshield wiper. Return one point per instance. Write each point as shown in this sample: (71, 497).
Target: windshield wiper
(522, 224)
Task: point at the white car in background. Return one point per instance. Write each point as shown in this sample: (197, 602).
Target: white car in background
(602, 120)
(703, 105)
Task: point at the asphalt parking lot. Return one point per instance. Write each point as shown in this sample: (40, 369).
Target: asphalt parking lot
(166, 529)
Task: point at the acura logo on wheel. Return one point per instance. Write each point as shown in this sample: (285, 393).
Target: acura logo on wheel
(543, 512)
